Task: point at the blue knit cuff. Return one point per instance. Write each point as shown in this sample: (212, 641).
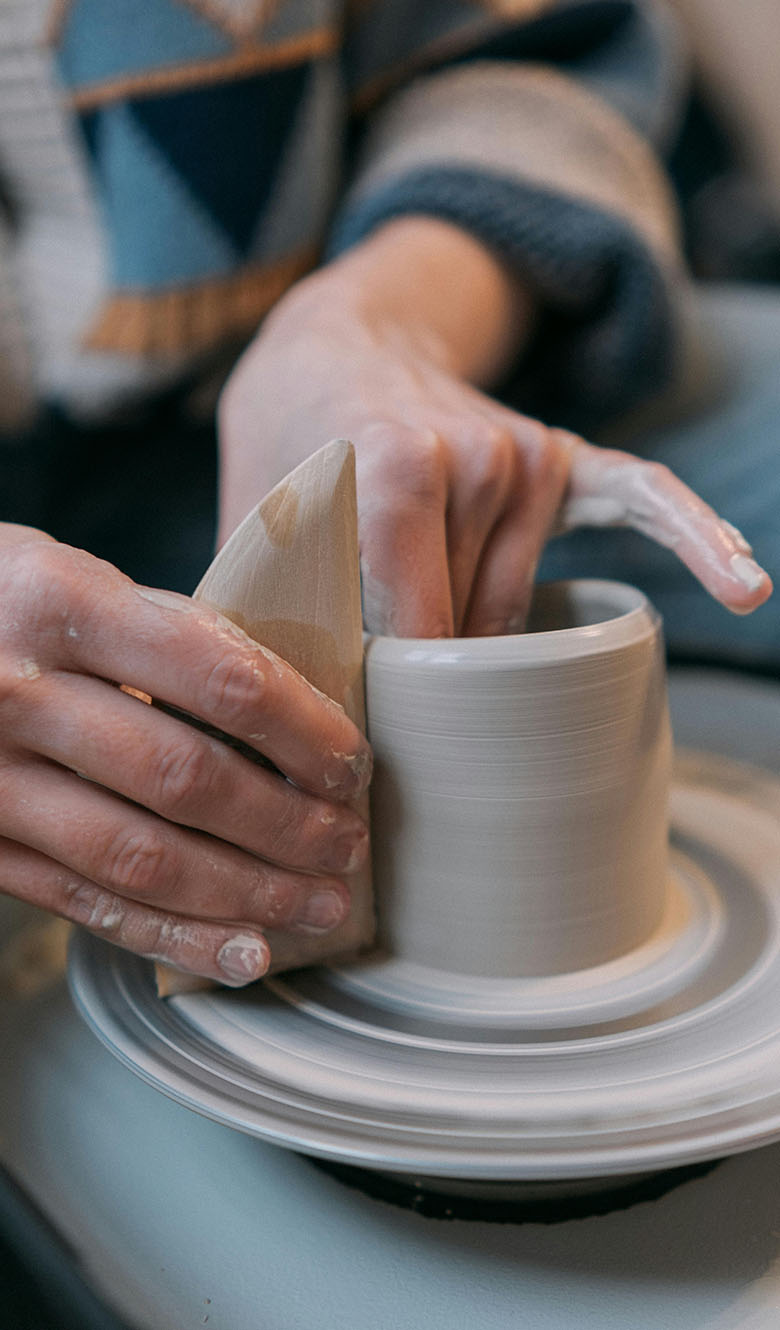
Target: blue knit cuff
(606, 336)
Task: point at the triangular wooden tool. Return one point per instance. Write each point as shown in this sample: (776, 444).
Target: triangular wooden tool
(290, 577)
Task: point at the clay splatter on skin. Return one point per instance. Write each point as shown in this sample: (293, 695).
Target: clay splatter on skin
(355, 860)
(243, 957)
(641, 501)
(170, 932)
(593, 510)
(737, 537)
(104, 913)
(360, 764)
(220, 623)
(747, 571)
(111, 920)
(637, 503)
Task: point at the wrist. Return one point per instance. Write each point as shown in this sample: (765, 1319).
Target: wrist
(423, 283)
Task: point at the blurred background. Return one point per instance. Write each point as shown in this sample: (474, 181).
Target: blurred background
(728, 160)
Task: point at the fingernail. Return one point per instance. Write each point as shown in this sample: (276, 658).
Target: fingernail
(351, 851)
(322, 911)
(357, 776)
(747, 571)
(243, 958)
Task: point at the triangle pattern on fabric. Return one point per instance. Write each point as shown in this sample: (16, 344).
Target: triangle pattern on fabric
(297, 215)
(290, 18)
(238, 18)
(174, 322)
(105, 39)
(158, 232)
(225, 142)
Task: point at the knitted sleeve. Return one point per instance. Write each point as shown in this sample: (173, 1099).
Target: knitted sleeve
(540, 127)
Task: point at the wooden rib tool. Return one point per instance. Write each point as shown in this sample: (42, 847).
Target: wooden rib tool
(290, 577)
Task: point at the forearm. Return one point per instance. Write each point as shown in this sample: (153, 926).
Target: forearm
(430, 284)
(388, 346)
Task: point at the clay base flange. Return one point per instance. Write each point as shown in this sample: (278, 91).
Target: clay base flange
(401, 995)
(673, 1057)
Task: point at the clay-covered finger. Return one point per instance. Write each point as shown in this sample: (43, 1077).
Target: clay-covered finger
(503, 586)
(610, 488)
(188, 655)
(403, 558)
(135, 854)
(216, 951)
(405, 577)
(187, 777)
(487, 473)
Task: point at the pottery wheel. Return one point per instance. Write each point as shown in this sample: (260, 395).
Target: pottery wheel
(667, 1056)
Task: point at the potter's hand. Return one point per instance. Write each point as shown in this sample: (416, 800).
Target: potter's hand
(135, 824)
(457, 495)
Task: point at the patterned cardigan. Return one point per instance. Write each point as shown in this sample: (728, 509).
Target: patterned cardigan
(169, 167)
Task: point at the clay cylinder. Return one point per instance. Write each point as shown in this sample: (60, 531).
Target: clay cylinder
(519, 804)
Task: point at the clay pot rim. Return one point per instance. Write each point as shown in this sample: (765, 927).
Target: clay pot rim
(634, 619)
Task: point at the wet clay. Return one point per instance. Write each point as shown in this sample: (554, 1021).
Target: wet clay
(519, 806)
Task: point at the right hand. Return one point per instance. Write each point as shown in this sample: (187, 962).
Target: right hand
(135, 824)
(457, 494)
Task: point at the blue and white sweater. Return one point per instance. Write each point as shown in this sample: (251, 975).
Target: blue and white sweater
(169, 167)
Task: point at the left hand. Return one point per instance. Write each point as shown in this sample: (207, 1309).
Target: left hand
(457, 494)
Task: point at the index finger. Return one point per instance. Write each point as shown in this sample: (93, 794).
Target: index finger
(611, 488)
(195, 659)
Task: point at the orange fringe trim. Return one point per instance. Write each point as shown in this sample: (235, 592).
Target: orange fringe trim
(188, 320)
(251, 59)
